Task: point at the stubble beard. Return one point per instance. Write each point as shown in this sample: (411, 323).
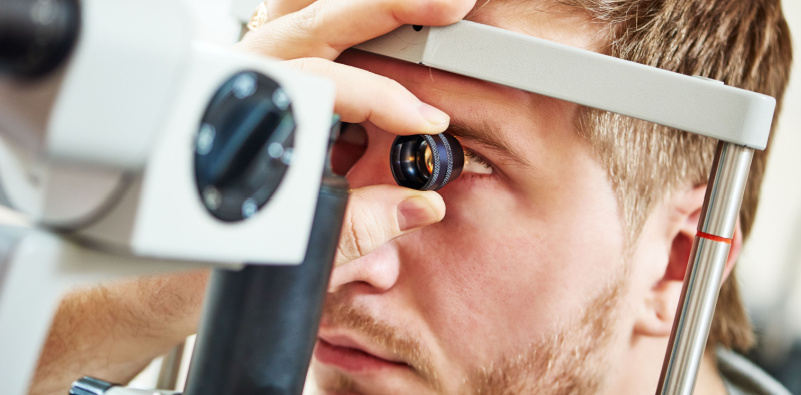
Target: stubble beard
(568, 361)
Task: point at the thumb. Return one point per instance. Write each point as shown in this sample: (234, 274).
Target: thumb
(377, 214)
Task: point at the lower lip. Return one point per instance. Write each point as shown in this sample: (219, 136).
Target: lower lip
(351, 359)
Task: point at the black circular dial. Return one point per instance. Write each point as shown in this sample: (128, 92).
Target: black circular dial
(243, 146)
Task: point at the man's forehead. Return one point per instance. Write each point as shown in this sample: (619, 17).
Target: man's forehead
(549, 19)
(544, 19)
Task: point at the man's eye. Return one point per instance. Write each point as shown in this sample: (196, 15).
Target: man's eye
(473, 163)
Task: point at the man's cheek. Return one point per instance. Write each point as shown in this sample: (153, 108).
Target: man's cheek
(478, 209)
(470, 274)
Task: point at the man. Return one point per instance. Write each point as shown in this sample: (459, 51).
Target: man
(558, 266)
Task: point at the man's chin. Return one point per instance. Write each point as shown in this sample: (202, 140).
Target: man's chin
(327, 380)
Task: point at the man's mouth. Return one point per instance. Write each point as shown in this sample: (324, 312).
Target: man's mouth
(349, 356)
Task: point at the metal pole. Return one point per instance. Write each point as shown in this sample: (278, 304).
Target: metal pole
(170, 368)
(705, 269)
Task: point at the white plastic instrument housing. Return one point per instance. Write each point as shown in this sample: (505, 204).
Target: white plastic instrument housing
(103, 149)
(162, 214)
(692, 104)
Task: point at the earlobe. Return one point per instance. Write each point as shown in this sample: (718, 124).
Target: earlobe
(683, 211)
(659, 310)
(663, 297)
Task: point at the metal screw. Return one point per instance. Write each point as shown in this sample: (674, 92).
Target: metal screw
(287, 157)
(280, 99)
(43, 12)
(212, 197)
(205, 139)
(249, 207)
(244, 86)
(275, 150)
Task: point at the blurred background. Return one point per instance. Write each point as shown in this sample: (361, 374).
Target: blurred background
(770, 266)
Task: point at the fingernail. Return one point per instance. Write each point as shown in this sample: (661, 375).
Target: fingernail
(433, 115)
(415, 212)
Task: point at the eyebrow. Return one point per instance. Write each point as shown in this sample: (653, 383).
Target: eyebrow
(488, 135)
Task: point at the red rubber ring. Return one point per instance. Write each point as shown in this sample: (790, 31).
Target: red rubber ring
(713, 237)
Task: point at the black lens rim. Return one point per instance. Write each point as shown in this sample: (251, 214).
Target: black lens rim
(238, 167)
(405, 163)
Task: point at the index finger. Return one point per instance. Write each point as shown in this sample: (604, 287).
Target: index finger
(363, 96)
(325, 28)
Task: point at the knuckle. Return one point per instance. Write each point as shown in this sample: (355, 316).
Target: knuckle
(309, 25)
(351, 248)
(388, 84)
(360, 235)
(450, 10)
(306, 19)
(306, 64)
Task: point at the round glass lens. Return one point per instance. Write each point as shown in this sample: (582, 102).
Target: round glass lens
(425, 159)
(429, 159)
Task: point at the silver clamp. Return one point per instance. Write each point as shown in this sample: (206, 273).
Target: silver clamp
(92, 386)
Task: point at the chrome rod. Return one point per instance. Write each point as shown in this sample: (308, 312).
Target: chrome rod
(705, 269)
(171, 368)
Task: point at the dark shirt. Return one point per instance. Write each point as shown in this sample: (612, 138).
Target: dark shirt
(742, 377)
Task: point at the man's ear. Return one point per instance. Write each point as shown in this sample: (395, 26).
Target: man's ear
(664, 295)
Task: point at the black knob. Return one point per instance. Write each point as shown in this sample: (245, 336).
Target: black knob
(36, 36)
(243, 146)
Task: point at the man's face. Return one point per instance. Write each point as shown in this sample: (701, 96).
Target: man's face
(519, 287)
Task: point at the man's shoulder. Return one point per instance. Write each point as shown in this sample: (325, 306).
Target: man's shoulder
(742, 377)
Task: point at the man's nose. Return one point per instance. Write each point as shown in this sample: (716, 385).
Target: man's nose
(374, 272)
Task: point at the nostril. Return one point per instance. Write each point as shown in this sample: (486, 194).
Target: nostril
(349, 147)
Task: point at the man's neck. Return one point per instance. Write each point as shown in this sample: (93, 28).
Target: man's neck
(646, 357)
(709, 379)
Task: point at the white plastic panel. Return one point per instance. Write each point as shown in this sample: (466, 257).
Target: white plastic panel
(162, 214)
(119, 81)
(532, 64)
(62, 195)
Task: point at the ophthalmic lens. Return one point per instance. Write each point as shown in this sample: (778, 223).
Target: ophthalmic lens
(429, 159)
(426, 159)
(425, 162)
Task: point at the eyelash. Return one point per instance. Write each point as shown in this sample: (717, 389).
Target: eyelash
(471, 156)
